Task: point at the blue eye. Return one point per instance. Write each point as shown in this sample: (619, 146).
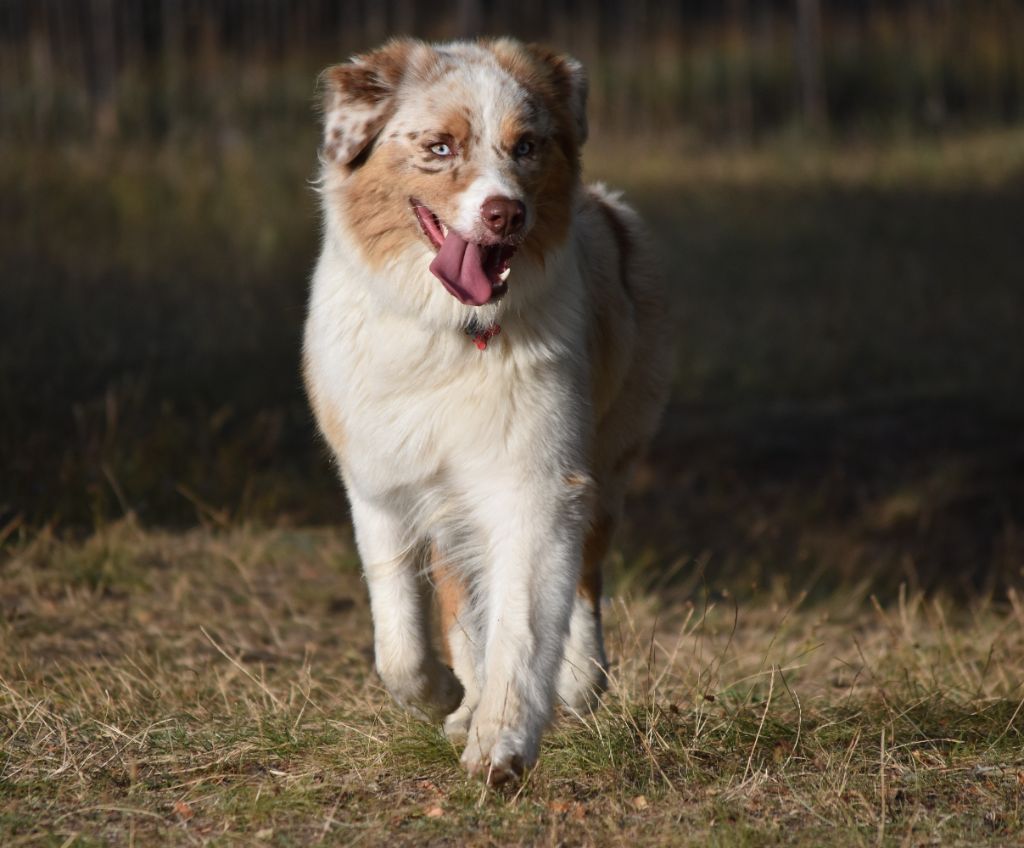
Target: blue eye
(441, 149)
(524, 148)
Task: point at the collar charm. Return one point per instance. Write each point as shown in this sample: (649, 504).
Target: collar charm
(482, 335)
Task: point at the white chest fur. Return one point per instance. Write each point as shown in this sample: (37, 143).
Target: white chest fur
(416, 398)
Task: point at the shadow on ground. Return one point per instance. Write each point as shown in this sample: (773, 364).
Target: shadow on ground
(846, 406)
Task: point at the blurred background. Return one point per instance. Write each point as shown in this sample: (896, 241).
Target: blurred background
(836, 190)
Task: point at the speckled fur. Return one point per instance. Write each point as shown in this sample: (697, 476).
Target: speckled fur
(505, 467)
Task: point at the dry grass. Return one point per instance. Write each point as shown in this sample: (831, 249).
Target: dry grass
(847, 416)
(216, 686)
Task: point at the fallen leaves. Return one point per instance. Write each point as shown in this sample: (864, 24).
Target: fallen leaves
(568, 809)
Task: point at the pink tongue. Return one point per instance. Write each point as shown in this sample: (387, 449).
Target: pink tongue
(459, 265)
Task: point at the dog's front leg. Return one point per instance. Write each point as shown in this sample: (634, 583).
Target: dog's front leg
(405, 660)
(530, 585)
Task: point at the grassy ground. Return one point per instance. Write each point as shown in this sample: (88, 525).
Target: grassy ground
(813, 612)
(214, 686)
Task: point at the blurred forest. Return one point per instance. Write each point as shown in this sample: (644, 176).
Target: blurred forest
(835, 188)
(732, 69)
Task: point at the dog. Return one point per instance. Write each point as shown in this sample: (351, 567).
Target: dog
(487, 355)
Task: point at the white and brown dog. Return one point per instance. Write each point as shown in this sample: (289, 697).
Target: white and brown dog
(491, 466)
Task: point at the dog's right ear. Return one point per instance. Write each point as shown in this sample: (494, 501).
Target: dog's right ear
(359, 98)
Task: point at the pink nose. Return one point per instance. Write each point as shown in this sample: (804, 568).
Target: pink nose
(503, 215)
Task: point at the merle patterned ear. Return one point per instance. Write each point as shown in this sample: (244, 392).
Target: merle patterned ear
(575, 80)
(570, 79)
(359, 99)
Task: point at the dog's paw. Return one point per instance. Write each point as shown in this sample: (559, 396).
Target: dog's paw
(456, 726)
(497, 755)
(431, 693)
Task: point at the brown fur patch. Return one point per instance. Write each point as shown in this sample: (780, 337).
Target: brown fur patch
(377, 200)
(327, 416)
(543, 73)
(552, 183)
(451, 596)
(552, 189)
(360, 97)
(513, 127)
(456, 124)
(577, 481)
(371, 77)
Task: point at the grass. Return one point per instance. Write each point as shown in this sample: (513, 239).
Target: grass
(215, 686)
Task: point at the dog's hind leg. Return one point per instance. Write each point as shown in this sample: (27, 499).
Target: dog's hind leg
(584, 672)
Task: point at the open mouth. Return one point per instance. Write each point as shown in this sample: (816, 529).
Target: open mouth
(473, 273)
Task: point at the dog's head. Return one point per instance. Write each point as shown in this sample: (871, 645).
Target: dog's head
(465, 153)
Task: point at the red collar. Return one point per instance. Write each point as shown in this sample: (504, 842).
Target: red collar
(482, 335)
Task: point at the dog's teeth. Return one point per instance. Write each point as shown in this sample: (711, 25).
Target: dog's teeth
(504, 274)
(444, 231)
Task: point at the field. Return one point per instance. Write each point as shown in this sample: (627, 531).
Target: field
(814, 609)
(216, 687)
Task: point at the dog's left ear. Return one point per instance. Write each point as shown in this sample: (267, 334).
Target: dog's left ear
(570, 80)
(359, 98)
(574, 79)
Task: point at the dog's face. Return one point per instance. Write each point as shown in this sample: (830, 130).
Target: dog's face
(467, 153)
